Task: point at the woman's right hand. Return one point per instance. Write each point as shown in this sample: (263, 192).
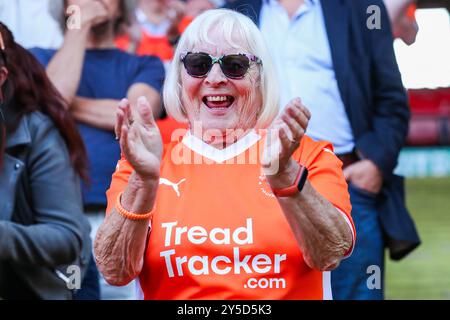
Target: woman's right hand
(140, 139)
(92, 12)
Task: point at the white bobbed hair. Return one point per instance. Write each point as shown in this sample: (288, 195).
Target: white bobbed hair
(239, 32)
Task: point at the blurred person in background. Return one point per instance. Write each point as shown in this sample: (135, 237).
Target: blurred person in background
(348, 76)
(403, 20)
(31, 23)
(92, 75)
(42, 226)
(159, 26)
(196, 7)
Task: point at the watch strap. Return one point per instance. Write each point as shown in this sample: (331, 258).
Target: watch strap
(296, 187)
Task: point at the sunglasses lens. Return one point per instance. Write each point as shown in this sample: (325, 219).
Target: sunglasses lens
(235, 66)
(197, 64)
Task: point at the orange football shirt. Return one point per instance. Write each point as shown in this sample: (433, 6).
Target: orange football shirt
(218, 232)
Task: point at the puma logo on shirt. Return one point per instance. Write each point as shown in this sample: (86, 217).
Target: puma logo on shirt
(172, 184)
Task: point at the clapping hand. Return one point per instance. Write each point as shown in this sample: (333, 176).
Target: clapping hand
(140, 139)
(283, 138)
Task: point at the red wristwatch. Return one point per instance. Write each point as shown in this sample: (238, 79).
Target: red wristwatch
(298, 185)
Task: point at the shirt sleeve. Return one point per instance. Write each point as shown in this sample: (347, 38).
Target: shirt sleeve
(326, 176)
(150, 71)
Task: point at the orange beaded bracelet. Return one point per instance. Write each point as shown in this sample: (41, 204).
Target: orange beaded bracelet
(131, 215)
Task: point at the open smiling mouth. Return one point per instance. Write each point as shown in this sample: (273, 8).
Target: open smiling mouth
(218, 102)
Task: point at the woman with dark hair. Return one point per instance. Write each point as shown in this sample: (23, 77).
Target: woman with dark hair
(44, 236)
(93, 75)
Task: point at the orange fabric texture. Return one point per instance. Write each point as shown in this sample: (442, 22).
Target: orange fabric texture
(184, 23)
(167, 126)
(149, 45)
(219, 233)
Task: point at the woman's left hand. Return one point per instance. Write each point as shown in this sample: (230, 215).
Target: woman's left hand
(283, 138)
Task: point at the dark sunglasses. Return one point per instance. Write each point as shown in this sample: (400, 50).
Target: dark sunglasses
(234, 66)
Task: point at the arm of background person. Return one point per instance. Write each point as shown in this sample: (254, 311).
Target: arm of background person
(144, 90)
(55, 237)
(64, 69)
(101, 113)
(391, 113)
(396, 8)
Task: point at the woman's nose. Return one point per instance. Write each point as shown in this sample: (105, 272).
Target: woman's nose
(215, 75)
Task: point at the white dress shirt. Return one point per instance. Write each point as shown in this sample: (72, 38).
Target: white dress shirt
(301, 52)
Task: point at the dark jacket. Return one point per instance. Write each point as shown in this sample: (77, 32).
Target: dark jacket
(42, 226)
(371, 88)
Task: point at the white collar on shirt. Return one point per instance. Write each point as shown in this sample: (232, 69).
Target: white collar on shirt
(220, 155)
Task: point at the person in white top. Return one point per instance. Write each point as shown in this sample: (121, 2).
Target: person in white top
(31, 23)
(345, 71)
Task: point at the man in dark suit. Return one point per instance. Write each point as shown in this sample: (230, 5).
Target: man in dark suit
(337, 55)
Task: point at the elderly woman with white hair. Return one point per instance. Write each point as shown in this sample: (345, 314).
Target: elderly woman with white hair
(242, 206)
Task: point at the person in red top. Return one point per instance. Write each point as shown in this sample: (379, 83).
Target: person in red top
(159, 24)
(243, 205)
